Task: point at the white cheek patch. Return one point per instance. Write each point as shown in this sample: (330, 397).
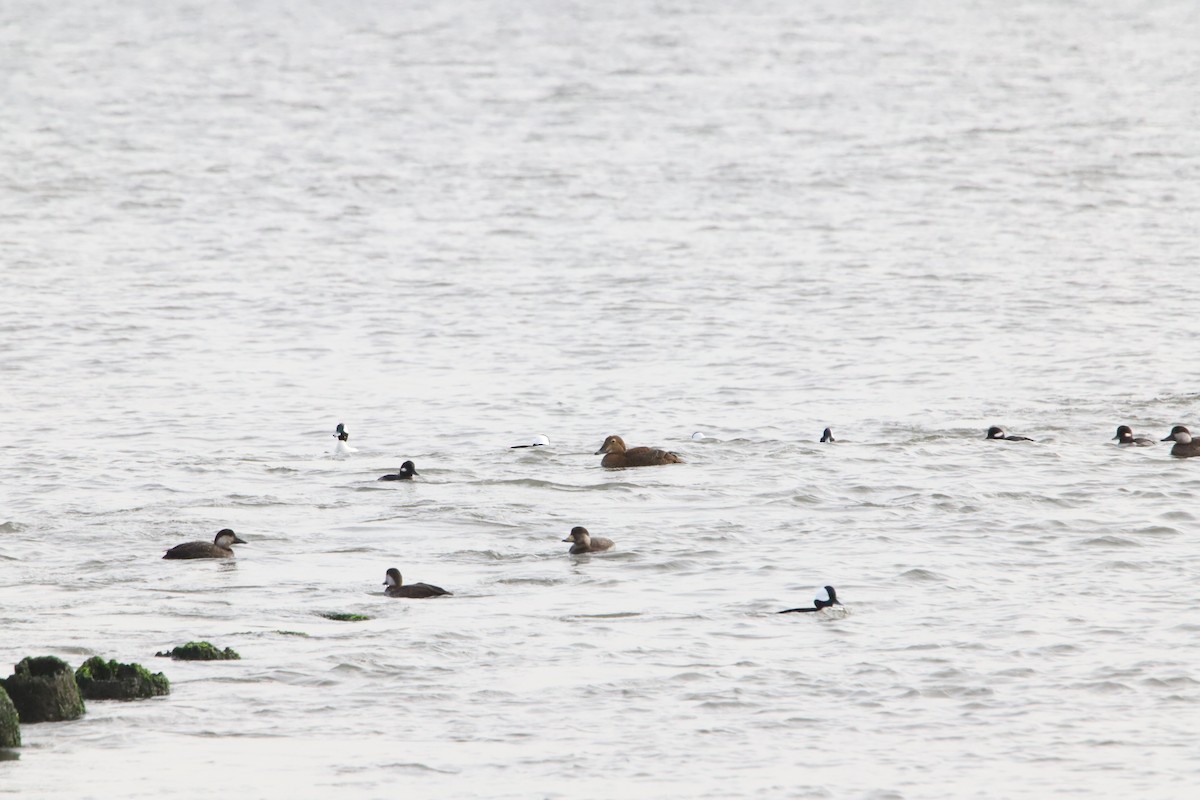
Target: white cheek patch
(822, 595)
(389, 581)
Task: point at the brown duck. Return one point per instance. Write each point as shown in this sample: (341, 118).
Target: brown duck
(397, 588)
(584, 543)
(219, 547)
(617, 456)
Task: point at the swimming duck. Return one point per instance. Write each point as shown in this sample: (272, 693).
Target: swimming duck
(342, 447)
(1125, 437)
(996, 432)
(541, 440)
(619, 457)
(826, 598)
(584, 543)
(219, 547)
(396, 588)
(827, 436)
(1185, 446)
(407, 470)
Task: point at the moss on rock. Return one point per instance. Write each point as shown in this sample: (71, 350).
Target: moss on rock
(341, 616)
(107, 680)
(200, 651)
(10, 722)
(44, 690)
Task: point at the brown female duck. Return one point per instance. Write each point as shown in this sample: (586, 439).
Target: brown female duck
(584, 543)
(617, 456)
(396, 588)
(219, 547)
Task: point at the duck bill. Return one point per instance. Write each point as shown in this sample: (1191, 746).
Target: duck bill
(601, 450)
(569, 539)
(236, 540)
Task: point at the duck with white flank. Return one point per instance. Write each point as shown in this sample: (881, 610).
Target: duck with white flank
(996, 432)
(342, 446)
(826, 599)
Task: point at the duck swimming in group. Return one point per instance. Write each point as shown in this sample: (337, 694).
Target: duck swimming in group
(407, 470)
(1125, 437)
(219, 547)
(396, 588)
(996, 432)
(342, 446)
(541, 440)
(1185, 446)
(826, 598)
(584, 543)
(618, 456)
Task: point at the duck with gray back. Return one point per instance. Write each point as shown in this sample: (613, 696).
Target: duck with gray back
(996, 432)
(618, 456)
(1185, 446)
(396, 588)
(407, 470)
(219, 547)
(826, 597)
(1125, 438)
(585, 543)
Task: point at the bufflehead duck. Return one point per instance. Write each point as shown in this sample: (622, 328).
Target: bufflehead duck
(996, 432)
(541, 440)
(1125, 437)
(342, 447)
(1185, 446)
(407, 470)
(619, 457)
(827, 436)
(826, 598)
(584, 543)
(396, 588)
(219, 547)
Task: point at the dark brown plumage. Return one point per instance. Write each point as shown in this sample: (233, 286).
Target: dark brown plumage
(219, 547)
(617, 456)
(584, 543)
(396, 588)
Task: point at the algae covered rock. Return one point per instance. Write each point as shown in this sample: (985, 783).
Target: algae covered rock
(200, 651)
(107, 680)
(341, 616)
(10, 728)
(44, 690)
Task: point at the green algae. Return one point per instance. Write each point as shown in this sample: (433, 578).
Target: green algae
(43, 689)
(108, 680)
(200, 651)
(338, 616)
(10, 721)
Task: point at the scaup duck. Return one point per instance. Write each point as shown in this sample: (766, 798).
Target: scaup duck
(584, 543)
(618, 456)
(219, 547)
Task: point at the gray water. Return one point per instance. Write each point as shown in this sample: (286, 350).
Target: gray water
(226, 227)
